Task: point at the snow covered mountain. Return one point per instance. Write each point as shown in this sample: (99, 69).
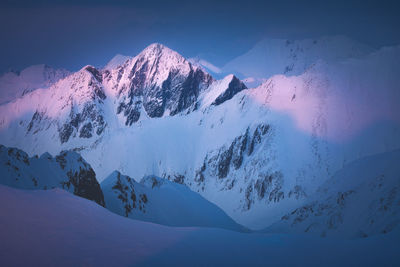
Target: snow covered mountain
(68, 171)
(360, 200)
(292, 57)
(158, 81)
(15, 84)
(257, 153)
(160, 201)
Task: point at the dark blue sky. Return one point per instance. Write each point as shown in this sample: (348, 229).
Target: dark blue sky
(71, 34)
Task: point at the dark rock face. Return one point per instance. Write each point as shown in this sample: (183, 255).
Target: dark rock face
(86, 130)
(65, 132)
(227, 157)
(223, 164)
(177, 93)
(179, 179)
(239, 147)
(187, 92)
(88, 122)
(259, 132)
(86, 185)
(131, 111)
(267, 186)
(68, 171)
(81, 176)
(233, 155)
(36, 119)
(200, 173)
(95, 72)
(131, 199)
(235, 86)
(176, 178)
(15, 152)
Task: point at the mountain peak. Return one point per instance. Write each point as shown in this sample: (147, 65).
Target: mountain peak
(93, 71)
(160, 53)
(156, 47)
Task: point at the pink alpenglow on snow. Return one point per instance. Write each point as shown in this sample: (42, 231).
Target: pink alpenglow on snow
(341, 100)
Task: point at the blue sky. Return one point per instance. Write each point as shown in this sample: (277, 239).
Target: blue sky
(71, 34)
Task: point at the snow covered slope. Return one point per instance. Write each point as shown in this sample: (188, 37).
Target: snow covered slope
(360, 200)
(208, 66)
(16, 84)
(258, 154)
(158, 200)
(55, 228)
(292, 57)
(68, 171)
(116, 61)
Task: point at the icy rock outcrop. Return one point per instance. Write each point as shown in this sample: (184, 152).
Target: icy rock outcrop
(68, 171)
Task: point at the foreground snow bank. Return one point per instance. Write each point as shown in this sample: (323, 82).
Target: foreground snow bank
(161, 201)
(54, 227)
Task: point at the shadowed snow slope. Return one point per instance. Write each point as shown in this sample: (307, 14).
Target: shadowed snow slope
(161, 201)
(68, 171)
(360, 200)
(55, 228)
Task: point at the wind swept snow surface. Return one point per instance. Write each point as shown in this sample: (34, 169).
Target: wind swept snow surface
(362, 199)
(161, 201)
(55, 228)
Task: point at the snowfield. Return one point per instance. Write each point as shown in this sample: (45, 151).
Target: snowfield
(77, 232)
(161, 201)
(360, 200)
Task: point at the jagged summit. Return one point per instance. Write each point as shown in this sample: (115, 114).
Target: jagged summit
(93, 71)
(159, 61)
(157, 48)
(158, 80)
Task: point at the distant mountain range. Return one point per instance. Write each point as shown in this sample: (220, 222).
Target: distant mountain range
(15, 84)
(257, 153)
